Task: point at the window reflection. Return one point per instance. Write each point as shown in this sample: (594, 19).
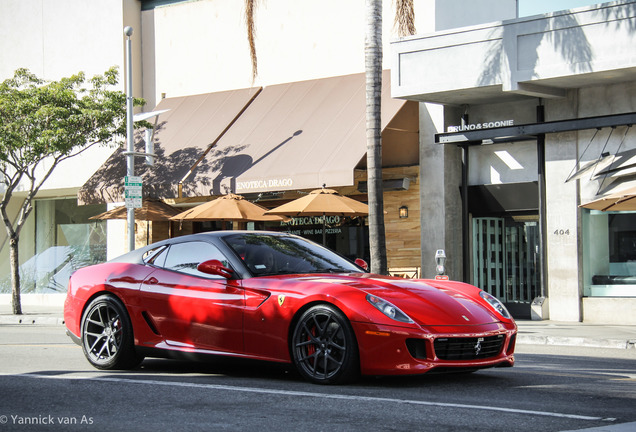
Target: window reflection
(62, 240)
(269, 255)
(609, 251)
(185, 257)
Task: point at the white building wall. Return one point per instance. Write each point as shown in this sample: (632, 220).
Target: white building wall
(556, 51)
(202, 46)
(56, 38)
(60, 38)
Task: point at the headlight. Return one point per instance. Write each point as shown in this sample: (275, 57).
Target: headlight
(388, 309)
(496, 304)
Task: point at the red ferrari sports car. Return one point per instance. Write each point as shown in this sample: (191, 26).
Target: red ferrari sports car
(282, 298)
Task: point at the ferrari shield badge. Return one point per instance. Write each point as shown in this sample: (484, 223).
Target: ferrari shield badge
(478, 345)
(281, 300)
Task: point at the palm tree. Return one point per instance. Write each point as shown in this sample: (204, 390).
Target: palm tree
(373, 64)
(404, 20)
(373, 69)
(250, 8)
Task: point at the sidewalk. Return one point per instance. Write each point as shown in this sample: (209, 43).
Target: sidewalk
(38, 315)
(530, 332)
(576, 334)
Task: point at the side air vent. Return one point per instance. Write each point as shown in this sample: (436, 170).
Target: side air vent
(150, 323)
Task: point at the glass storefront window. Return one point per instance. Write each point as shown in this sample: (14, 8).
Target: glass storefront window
(609, 253)
(61, 240)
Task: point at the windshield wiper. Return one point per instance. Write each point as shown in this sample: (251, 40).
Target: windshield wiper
(316, 271)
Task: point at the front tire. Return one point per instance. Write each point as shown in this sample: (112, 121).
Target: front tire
(324, 347)
(107, 335)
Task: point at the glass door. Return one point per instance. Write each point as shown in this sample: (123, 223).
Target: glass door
(506, 257)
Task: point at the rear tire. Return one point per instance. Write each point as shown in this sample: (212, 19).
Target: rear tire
(324, 347)
(107, 335)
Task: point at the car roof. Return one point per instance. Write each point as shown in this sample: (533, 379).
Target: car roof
(137, 255)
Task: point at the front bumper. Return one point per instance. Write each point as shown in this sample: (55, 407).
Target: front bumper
(388, 350)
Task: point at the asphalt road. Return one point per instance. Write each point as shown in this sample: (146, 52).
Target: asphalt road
(46, 384)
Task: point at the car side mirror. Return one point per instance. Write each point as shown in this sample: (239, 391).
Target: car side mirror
(215, 267)
(361, 263)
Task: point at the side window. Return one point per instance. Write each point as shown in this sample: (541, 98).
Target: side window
(185, 257)
(156, 256)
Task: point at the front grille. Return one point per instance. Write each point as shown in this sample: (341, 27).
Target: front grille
(472, 348)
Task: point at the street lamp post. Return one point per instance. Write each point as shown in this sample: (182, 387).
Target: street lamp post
(133, 185)
(130, 156)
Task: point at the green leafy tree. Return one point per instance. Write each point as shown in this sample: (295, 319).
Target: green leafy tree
(42, 124)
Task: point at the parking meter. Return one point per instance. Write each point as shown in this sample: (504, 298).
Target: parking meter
(440, 259)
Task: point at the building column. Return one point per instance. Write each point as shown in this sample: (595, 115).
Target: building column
(562, 221)
(440, 201)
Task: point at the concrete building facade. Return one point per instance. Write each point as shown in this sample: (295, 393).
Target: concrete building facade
(538, 115)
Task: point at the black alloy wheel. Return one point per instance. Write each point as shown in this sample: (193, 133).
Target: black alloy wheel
(107, 336)
(324, 347)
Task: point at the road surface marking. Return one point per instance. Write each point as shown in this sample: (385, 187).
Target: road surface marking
(317, 395)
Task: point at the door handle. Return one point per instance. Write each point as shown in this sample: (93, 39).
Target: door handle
(152, 281)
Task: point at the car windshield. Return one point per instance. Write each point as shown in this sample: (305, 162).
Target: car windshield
(266, 255)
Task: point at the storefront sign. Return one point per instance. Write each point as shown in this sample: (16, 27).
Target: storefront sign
(303, 225)
(264, 184)
(479, 126)
(317, 231)
(313, 220)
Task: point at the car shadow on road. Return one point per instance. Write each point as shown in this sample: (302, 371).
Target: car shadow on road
(255, 372)
(222, 366)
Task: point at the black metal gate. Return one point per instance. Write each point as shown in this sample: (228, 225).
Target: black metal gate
(506, 258)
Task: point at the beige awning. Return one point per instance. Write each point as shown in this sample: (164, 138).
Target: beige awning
(623, 200)
(183, 135)
(298, 135)
(292, 136)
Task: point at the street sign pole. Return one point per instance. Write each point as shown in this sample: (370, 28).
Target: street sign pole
(130, 158)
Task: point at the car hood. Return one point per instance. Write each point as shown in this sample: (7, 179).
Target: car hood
(448, 303)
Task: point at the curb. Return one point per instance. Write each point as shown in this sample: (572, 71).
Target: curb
(31, 320)
(576, 341)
